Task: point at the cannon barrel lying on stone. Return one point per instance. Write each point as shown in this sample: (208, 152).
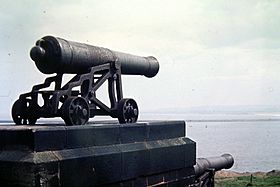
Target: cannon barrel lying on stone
(224, 161)
(205, 169)
(77, 101)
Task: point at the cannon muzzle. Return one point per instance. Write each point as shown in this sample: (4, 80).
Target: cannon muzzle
(217, 163)
(57, 55)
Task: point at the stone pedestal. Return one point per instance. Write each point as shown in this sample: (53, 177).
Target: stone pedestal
(140, 154)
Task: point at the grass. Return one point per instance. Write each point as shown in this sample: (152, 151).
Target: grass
(246, 181)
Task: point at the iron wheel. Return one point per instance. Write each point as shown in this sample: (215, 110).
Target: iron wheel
(127, 111)
(21, 112)
(75, 111)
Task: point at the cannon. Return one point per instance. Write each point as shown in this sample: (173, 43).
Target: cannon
(76, 101)
(205, 169)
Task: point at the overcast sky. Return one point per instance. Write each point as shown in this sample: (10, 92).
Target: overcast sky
(210, 52)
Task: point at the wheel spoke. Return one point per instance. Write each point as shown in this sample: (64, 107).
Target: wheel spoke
(74, 120)
(83, 121)
(134, 119)
(83, 116)
(74, 117)
(79, 121)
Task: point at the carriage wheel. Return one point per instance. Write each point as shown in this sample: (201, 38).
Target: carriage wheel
(20, 112)
(75, 111)
(127, 111)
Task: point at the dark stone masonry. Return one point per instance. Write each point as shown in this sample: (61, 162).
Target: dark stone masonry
(109, 154)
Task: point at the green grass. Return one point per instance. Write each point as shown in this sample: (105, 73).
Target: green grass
(245, 181)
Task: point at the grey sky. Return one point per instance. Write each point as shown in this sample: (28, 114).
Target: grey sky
(210, 52)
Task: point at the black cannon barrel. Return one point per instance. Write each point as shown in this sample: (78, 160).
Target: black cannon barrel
(221, 162)
(57, 55)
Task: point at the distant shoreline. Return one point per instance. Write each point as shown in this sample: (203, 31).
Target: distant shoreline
(191, 120)
(231, 120)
